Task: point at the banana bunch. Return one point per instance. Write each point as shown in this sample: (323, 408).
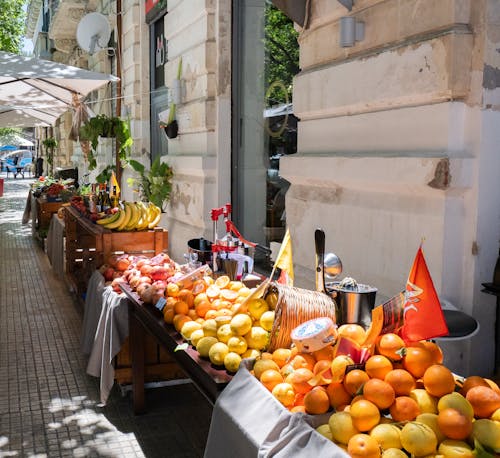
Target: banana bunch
(133, 216)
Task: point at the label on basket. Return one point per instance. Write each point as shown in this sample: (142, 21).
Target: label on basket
(160, 305)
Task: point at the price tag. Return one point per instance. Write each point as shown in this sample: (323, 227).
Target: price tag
(160, 305)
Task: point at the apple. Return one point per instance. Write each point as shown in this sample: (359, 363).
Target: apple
(108, 273)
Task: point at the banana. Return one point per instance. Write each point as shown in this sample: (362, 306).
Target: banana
(108, 219)
(144, 219)
(156, 215)
(119, 221)
(128, 215)
(134, 219)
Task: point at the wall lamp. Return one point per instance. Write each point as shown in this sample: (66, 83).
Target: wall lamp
(351, 31)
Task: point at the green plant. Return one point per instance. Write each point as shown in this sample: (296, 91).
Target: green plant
(106, 126)
(155, 185)
(50, 144)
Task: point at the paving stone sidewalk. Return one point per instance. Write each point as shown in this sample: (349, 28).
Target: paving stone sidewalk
(48, 404)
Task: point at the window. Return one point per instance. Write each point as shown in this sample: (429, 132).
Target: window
(265, 60)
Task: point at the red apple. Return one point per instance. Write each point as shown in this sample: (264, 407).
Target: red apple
(109, 274)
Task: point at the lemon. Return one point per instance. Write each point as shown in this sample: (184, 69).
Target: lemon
(217, 353)
(196, 336)
(339, 365)
(244, 291)
(262, 365)
(222, 281)
(341, 427)
(199, 298)
(284, 393)
(224, 333)
(266, 320)
(222, 319)
(235, 285)
(272, 300)
(188, 328)
(210, 328)
(204, 345)
(251, 353)
(324, 430)
(237, 344)
(387, 435)
(455, 449)
(232, 361)
(394, 453)
(418, 439)
(257, 338)
(241, 324)
(256, 307)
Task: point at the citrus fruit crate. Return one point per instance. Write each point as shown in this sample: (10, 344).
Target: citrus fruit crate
(89, 245)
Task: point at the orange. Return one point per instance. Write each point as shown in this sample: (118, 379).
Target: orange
(229, 295)
(280, 356)
(322, 372)
(270, 378)
(354, 380)
(438, 380)
(454, 424)
(435, 349)
(298, 408)
(417, 360)
(179, 320)
(484, 401)
(187, 296)
(202, 308)
(213, 292)
(303, 360)
(365, 415)
(377, 366)
(211, 314)
(192, 314)
(390, 345)
(325, 353)
(316, 401)
(199, 286)
(284, 393)
(379, 392)
(493, 385)
(299, 379)
(181, 308)
(363, 446)
(168, 315)
(404, 408)
(354, 332)
(401, 381)
(338, 395)
(187, 283)
(472, 381)
(222, 281)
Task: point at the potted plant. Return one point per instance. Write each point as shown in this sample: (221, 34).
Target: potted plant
(155, 184)
(172, 127)
(106, 126)
(50, 144)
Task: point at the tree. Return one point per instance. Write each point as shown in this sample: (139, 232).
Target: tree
(12, 19)
(282, 51)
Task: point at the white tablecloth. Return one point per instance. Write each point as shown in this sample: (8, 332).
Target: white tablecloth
(55, 244)
(110, 333)
(248, 422)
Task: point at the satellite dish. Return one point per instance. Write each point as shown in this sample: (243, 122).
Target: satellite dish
(93, 32)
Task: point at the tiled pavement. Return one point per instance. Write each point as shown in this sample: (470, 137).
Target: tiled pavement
(48, 404)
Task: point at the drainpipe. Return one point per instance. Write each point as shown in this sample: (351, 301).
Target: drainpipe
(118, 84)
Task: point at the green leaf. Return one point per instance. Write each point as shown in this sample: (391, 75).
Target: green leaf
(183, 346)
(136, 165)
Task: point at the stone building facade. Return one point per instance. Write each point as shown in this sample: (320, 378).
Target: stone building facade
(397, 136)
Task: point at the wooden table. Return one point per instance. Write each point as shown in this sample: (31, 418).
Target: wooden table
(146, 319)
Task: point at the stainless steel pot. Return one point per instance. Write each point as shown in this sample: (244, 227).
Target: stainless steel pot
(203, 249)
(355, 304)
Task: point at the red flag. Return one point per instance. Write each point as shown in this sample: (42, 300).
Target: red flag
(423, 316)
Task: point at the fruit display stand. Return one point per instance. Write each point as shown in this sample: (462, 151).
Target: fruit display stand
(88, 245)
(42, 212)
(146, 321)
(105, 339)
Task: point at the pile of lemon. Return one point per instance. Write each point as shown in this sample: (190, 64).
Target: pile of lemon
(206, 313)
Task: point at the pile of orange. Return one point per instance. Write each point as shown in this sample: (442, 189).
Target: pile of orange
(403, 396)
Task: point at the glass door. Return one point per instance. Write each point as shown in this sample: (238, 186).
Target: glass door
(265, 59)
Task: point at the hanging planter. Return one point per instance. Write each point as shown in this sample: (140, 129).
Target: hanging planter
(105, 127)
(171, 129)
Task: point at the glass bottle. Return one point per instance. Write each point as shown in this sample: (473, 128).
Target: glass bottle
(106, 202)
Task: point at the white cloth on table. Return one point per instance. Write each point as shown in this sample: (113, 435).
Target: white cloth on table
(247, 421)
(92, 311)
(112, 330)
(55, 244)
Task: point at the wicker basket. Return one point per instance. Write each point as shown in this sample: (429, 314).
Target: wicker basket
(294, 307)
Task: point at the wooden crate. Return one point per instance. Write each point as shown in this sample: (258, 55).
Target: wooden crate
(42, 215)
(159, 364)
(88, 245)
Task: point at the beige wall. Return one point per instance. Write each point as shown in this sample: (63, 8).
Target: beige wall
(396, 144)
